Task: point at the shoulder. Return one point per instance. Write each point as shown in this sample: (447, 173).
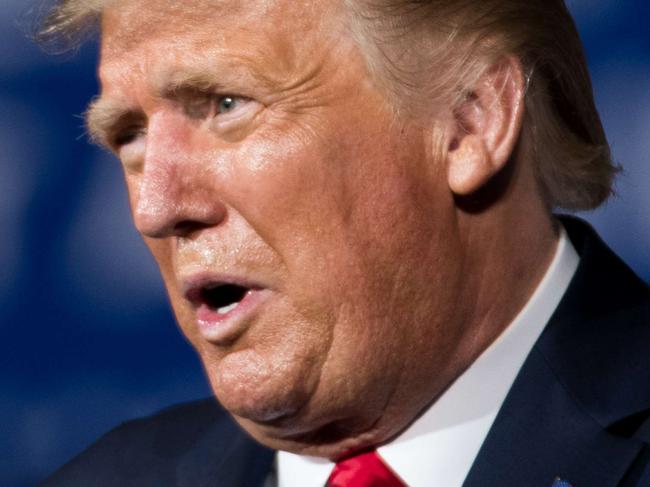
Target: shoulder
(580, 406)
(597, 341)
(148, 451)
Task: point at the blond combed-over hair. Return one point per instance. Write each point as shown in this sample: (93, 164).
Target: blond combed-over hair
(424, 51)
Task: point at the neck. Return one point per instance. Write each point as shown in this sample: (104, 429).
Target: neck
(519, 242)
(508, 247)
(512, 254)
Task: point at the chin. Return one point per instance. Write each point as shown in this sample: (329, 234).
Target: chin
(258, 390)
(328, 441)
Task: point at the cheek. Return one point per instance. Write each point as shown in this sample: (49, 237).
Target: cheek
(296, 180)
(162, 249)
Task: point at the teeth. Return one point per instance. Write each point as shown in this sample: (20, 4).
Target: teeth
(225, 309)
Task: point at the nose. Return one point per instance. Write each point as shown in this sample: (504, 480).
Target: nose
(176, 192)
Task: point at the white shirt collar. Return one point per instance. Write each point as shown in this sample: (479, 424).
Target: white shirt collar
(439, 448)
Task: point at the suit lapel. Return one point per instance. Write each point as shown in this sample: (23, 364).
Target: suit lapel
(577, 403)
(533, 442)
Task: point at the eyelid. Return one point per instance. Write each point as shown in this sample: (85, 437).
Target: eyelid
(206, 105)
(246, 109)
(126, 134)
(122, 136)
(241, 102)
(125, 127)
(131, 126)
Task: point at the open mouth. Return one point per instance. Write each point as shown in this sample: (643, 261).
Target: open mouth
(222, 298)
(224, 309)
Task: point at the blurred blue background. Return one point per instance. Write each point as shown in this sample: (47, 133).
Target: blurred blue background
(86, 335)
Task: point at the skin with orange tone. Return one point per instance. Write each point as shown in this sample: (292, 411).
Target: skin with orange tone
(256, 145)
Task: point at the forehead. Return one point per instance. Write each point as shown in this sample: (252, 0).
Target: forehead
(128, 23)
(271, 37)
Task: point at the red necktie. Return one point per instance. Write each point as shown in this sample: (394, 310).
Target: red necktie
(365, 470)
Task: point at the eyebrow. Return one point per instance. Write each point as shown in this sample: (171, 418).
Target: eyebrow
(200, 81)
(104, 118)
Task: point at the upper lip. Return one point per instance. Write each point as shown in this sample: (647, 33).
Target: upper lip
(193, 287)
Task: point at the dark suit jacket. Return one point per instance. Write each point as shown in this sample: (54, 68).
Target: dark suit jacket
(579, 409)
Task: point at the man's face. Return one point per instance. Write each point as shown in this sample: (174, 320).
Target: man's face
(306, 237)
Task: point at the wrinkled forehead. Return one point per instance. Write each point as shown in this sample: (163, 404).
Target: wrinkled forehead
(127, 23)
(270, 44)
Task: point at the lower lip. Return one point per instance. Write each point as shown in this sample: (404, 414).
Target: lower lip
(224, 328)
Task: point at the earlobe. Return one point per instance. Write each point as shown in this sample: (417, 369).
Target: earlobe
(486, 127)
(468, 166)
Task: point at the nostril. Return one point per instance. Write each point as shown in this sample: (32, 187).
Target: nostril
(186, 227)
(166, 227)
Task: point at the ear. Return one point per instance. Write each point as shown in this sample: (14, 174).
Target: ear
(486, 127)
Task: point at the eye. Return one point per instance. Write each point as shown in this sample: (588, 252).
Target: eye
(126, 136)
(226, 104)
(229, 103)
(201, 106)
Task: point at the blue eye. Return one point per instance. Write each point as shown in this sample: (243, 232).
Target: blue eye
(226, 104)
